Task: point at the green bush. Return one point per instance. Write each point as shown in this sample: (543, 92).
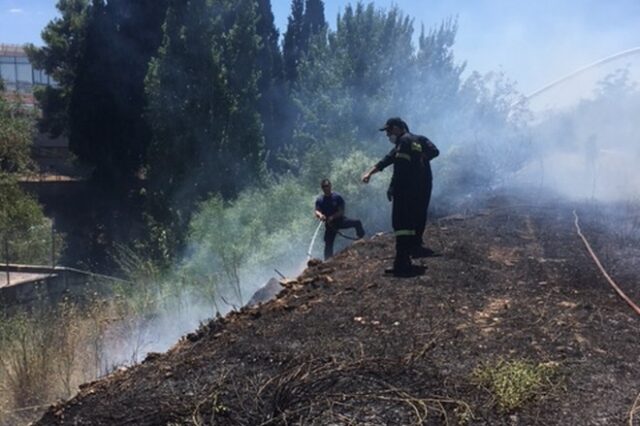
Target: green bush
(25, 233)
(235, 246)
(264, 228)
(514, 382)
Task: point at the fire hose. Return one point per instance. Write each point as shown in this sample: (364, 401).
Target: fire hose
(315, 234)
(604, 272)
(313, 240)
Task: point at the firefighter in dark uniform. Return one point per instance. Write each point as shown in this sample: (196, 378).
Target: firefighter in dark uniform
(429, 152)
(407, 183)
(423, 197)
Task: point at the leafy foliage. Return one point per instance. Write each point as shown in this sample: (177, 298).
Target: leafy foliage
(351, 79)
(106, 125)
(60, 57)
(261, 228)
(203, 91)
(292, 45)
(273, 102)
(16, 126)
(25, 233)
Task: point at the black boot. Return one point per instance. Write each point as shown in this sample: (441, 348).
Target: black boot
(422, 251)
(402, 266)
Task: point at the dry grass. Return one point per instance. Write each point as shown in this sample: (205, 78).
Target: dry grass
(46, 353)
(634, 409)
(331, 391)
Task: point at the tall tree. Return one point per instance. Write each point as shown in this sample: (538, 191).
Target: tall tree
(292, 45)
(346, 85)
(269, 57)
(59, 57)
(107, 129)
(314, 20)
(243, 140)
(186, 100)
(203, 92)
(305, 23)
(273, 102)
(436, 70)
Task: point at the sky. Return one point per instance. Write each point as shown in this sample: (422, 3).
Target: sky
(532, 42)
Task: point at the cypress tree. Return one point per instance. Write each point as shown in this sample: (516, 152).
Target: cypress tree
(203, 95)
(292, 46)
(273, 93)
(305, 22)
(314, 20)
(107, 102)
(64, 39)
(242, 139)
(184, 106)
(88, 108)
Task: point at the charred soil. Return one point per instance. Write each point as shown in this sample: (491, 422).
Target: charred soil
(345, 344)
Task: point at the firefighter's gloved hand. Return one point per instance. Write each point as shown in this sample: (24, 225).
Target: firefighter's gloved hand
(390, 194)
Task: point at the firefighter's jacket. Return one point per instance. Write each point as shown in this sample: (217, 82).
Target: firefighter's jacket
(408, 167)
(426, 153)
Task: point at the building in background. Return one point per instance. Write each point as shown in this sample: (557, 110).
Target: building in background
(17, 72)
(18, 75)
(20, 79)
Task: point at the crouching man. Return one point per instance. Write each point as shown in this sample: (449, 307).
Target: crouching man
(330, 210)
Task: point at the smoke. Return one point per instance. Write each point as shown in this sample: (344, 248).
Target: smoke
(129, 341)
(589, 151)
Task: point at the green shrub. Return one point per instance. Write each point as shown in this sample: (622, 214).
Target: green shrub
(515, 382)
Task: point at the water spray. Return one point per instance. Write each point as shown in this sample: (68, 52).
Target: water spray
(313, 240)
(610, 58)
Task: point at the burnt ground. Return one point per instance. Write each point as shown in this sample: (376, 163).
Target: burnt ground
(345, 344)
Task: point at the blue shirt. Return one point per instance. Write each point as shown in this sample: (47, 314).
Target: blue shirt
(329, 205)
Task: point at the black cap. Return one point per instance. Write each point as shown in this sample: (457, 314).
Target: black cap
(394, 122)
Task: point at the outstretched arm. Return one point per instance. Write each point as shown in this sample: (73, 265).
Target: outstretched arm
(367, 176)
(386, 161)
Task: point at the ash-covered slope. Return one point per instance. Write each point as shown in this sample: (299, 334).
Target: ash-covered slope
(347, 345)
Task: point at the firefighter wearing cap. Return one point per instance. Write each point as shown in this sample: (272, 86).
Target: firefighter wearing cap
(423, 197)
(406, 184)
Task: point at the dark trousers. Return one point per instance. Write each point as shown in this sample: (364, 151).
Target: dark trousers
(331, 230)
(404, 219)
(421, 214)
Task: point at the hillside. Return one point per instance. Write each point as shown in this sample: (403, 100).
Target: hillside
(344, 344)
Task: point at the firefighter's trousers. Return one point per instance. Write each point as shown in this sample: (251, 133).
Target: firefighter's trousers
(423, 199)
(404, 218)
